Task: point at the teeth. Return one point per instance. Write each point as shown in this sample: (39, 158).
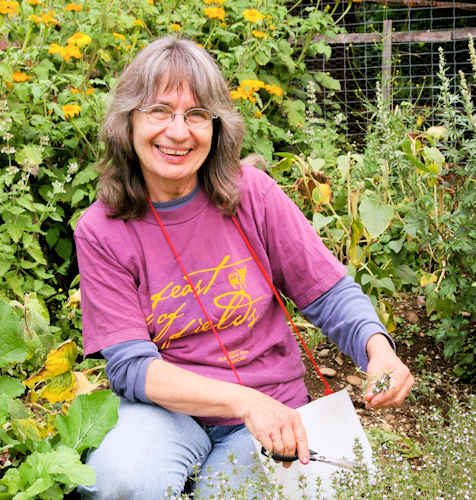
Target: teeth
(174, 152)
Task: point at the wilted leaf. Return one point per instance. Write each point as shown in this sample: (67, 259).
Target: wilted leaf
(357, 230)
(61, 388)
(322, 194)
(25, 429)
(89, 418)
(84, 386)
(74, 301)
(427, 278)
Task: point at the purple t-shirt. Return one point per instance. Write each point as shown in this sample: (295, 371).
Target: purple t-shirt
(133, 288)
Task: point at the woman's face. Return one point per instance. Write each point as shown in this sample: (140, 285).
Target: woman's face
(170, 155)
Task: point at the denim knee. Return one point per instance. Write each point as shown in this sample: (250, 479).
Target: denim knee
(148, 450)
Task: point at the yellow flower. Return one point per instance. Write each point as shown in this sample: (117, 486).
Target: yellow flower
(20, 77)
(272, 28)
(150, 2)
(252, 15)
(71, 110)
(175, 27)
(253, 85)
(128, 47)
(258, 114)
(65, 52)
(74, 91)
(73, 6)
(215, 12)
(138, 22)
(79, 39)
(274, 89)
(35, 2)
(216, 2)
(118, 35)
(90, 91)
(8, 7)
(258, 34)
(45, 18)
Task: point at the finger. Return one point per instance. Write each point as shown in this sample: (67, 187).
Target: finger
(302, 445)
(289, 444)
(277, 446)
(393, 397)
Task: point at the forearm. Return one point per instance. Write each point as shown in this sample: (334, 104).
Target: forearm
(183, 391)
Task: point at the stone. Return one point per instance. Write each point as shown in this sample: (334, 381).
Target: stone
(354, 380)
(339, 360)
(323, 354)
(328, 372)
(421, 302)
(349, 388)
(412, 317)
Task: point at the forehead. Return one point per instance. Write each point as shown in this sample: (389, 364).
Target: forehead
(175, 95)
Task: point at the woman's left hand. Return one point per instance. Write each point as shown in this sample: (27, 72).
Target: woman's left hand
(383, 360)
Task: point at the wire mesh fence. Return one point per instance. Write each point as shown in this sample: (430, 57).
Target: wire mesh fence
(418, 29)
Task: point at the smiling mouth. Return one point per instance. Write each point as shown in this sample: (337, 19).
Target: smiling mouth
(174, 152)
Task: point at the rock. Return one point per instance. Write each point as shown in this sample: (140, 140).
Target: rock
(421, 302)
(323, 354)
(349, 388)
(412, 317)
(339, 360)
(328, 372)
(354, 380)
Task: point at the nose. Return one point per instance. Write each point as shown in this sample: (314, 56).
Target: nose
(177, 129)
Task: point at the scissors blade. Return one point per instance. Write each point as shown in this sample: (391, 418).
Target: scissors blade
(345, 464)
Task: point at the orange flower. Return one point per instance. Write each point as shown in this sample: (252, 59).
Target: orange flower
(241, 93)
(20, 77)
(35, 2)
(138, 22)
(65, 52)
(258, 114)
(258, 34)
(90, 91)
(175, 27)
(73, 6)
(79, 39)
(8, 7)
(74, 91)
(71, 110)
(118, 35)
(252, 15)
(274, 89)
(215, 12)
(253, 85)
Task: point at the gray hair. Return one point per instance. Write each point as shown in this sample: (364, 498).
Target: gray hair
(168, 63)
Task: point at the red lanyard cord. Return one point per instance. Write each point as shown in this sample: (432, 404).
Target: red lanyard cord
(169, 241)
(328, 390)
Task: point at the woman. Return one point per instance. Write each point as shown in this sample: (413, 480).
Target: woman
(171, 182)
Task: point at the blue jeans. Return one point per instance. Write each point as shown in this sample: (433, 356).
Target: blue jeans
(151, 449)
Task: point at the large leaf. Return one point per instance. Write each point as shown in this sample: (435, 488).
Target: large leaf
(375, 215)
(10, 386)
(13, 349)
(296, 112)
(89, 418)
(407, 275)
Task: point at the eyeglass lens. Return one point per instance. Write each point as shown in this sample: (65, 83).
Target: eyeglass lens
(161, 114)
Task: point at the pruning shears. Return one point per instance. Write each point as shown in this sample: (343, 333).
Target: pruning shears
(345, 464)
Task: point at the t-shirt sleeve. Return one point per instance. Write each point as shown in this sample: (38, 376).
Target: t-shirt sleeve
(303, 267)
(346, 315)
(109, 297)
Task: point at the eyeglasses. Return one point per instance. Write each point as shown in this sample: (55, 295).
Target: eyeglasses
(161, 114)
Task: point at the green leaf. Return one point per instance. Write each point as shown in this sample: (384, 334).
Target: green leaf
(343, 164)
(319, 221)
(13, 349)
(327, 81)
(262, 59)
(375, 215)
(78, 195)
(64, 248)
(89, 418)
(11, 387)
(316, 163)
(296, 112)
(396, 245)
(434, 155)
(3, 409)
(407, 275)
(6, 72)
(84, 176)
(30, 154)
(322, 47)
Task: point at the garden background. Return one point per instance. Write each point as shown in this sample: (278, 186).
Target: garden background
(397, 208)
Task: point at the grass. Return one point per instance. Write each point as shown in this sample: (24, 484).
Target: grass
(443, 467)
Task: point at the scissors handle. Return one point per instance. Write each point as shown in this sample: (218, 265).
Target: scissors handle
(280, 458)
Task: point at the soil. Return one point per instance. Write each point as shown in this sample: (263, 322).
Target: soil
(434, 381)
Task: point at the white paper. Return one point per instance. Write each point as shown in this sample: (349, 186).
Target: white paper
(332, 426)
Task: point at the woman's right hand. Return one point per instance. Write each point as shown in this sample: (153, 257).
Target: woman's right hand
(276, 426)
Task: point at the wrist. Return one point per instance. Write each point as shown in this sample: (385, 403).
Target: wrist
(378, 343)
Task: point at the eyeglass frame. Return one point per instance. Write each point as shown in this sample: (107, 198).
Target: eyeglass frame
(174, 114)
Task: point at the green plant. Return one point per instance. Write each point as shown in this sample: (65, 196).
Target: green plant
(44, 431)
